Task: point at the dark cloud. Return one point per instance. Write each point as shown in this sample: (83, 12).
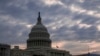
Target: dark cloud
(13, 34)
(15, 15)
(91, 5)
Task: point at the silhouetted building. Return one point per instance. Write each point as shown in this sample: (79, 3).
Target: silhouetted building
(4, 50)
(17, 52)
(39, 43)
(88, 54)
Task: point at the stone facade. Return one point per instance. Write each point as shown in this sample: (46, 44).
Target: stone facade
(39, 43)
(4, 50)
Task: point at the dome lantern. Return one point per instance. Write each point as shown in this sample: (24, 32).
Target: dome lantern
(39, 36)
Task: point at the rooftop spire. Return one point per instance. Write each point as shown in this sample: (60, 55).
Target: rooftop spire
(39, 18)
(39, 14)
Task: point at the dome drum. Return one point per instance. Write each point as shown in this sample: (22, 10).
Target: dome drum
(37, 42)
(39, 36)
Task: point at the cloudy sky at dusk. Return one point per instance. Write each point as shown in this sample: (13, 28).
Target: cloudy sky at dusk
(73, 24)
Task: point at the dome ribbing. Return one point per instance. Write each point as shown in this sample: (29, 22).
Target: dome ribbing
(39, 36)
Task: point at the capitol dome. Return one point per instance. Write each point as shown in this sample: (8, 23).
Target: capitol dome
(39, 35)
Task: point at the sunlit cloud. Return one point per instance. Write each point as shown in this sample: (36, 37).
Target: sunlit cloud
(21, 46)
(59, 44)
(98, 27)
(52, 2)
(81, 1)
(84, 25)
(94, 46)
(72, 46)
(78, 9)
(29, 26)
(72, 24)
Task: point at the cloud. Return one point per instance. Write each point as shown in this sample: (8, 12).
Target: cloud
(68, 21)
(22, 46)
(10, 30)
(79, 46)
(52, 2)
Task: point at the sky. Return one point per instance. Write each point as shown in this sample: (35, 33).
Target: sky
(74, 25)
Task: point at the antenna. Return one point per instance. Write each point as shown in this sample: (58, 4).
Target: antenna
(88, 50)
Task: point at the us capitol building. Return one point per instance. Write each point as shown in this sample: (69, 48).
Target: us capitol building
(39, 43)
